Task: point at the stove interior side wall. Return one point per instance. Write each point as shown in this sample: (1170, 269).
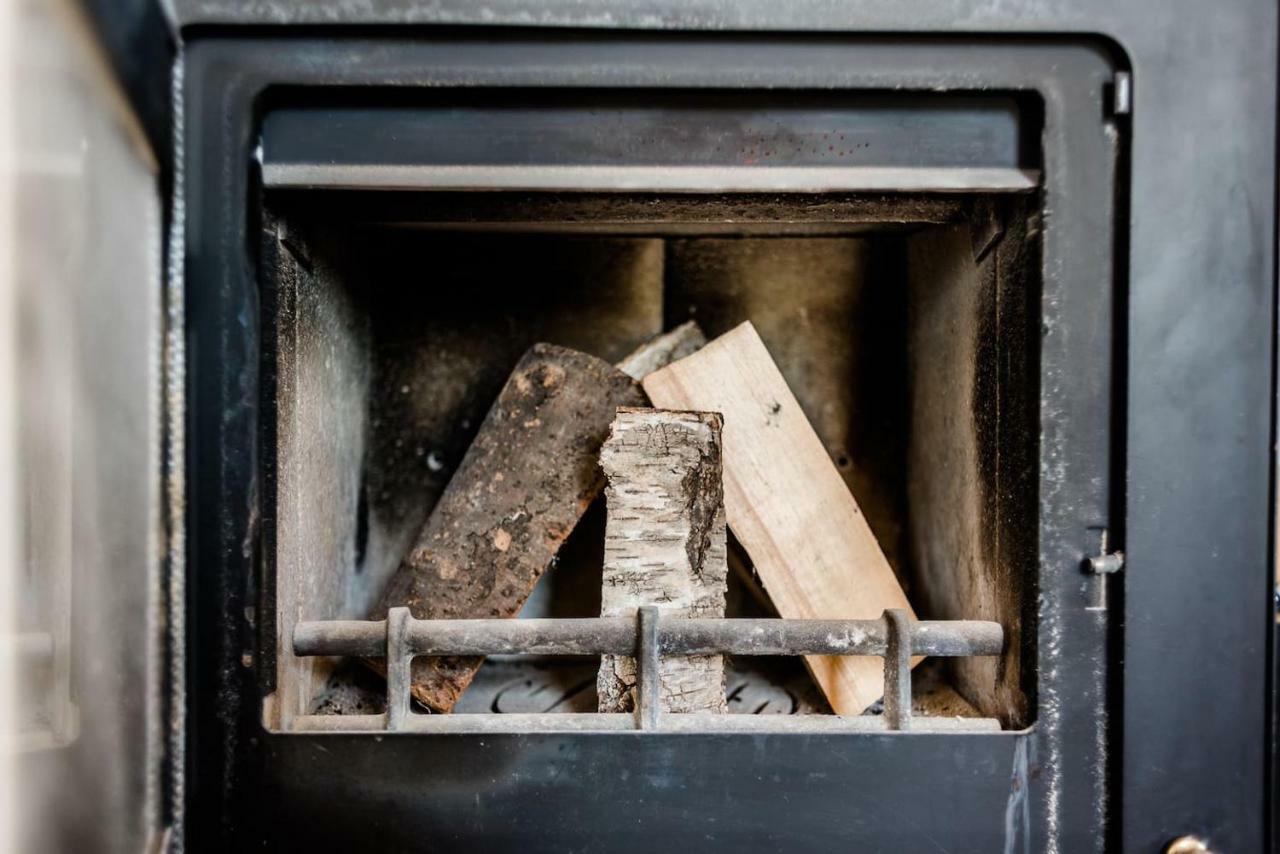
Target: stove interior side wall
(322, 379)
(971, 452)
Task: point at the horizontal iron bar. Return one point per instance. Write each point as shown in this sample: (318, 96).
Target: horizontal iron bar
(617, 636)
(622, 722)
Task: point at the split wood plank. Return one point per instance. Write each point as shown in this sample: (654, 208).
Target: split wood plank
(786, 503)
(664, 545)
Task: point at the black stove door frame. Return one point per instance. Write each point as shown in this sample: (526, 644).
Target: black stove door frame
(1050, 788)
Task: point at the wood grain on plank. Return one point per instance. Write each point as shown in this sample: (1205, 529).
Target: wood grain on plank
(786, 503)
(664, 545)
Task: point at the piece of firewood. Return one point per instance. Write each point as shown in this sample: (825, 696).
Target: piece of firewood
(664, 545)
(523, 484)
(663, 350)
(786, 503)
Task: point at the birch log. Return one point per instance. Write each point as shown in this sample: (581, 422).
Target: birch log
(664, 545)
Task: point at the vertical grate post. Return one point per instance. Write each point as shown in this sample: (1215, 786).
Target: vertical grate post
(897, 669)
(399, 667)
(648, 680)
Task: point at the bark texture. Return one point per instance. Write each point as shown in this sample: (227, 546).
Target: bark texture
(664, 545)
(522, 486)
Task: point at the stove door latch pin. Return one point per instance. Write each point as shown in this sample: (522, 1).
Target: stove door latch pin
(1122, 94)
(1102, 564)
(1105, 564)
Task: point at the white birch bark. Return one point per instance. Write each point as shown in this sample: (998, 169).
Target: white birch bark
(664, 546)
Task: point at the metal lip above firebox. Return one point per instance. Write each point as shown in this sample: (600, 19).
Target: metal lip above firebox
(654, 140)
(668, 179)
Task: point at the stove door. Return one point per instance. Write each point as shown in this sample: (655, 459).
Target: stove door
(80, 490)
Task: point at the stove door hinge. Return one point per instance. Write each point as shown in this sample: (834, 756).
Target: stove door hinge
(1100, 565)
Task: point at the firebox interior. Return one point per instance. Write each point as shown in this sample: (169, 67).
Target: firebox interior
(907, 326)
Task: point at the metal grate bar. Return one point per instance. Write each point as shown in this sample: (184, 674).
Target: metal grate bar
(400, 638)
(897, 670)
(617, 636)
(647, 676)
(399, 670)
(699, 722)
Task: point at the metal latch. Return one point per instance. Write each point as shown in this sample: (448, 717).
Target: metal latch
(1102, 564)
(1122, 94)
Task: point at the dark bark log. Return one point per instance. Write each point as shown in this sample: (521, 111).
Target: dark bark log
(525, 481)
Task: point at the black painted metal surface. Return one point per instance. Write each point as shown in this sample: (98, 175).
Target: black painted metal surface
(607, 128)
(638, 791)
(1195, 330)
(1045, 790)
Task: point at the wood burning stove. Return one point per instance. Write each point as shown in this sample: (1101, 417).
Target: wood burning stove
(1018, 277)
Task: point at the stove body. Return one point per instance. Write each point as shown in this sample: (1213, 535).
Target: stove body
(1129, 151)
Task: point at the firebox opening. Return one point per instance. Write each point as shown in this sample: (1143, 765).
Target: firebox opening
(906, 325)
